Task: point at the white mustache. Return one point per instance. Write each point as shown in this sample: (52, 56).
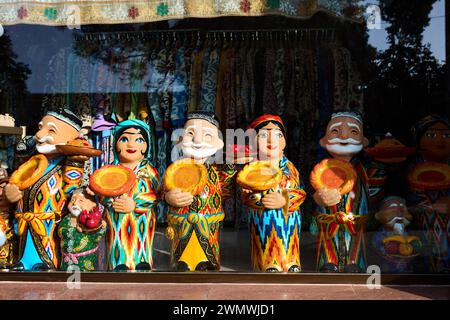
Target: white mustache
(344, 149)
(349, 141)
(45, 139)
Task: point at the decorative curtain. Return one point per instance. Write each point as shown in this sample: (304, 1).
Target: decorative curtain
(73, 13)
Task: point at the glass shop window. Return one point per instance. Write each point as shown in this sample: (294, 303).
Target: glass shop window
(322, 144)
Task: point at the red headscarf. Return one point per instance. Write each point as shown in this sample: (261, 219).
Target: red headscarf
(266, 117)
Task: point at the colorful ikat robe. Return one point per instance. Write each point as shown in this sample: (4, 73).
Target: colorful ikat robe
(130, 236)
(195, 228)
(275, 233)
(40, 209)
(340, 239)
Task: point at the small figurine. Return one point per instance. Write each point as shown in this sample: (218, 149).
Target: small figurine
(429, 194)
(342, 208)
(7, 236)
(40, 188)
(194, 190)
(397, 249)
(129, 198)
(80, 232)
(274, 214)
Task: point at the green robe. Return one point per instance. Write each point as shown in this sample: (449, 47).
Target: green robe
(75, 242)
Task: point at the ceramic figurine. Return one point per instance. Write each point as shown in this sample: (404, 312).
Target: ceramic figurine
(398, 250)
(341, 196)
(273, 205)
(40, 188)
(7, 236)
(129, 198)
(194, 190)
(80, 232)
(429, 196)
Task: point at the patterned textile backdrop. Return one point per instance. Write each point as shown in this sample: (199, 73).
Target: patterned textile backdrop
(74, 13)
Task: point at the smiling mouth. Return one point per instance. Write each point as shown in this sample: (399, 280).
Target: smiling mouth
(131, 151)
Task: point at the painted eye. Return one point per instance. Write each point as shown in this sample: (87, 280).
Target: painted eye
(140, 140)
(52, 131)
(279, 135)
(431, 135)
(446, 136)
(123, 139)
(263, 135)
(335, 131)
(355, 132)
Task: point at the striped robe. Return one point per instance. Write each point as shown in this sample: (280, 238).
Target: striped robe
(352, 250)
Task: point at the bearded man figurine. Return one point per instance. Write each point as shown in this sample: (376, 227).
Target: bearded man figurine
(79, 239)
(343, 250)
(40, 188)
(194, 221)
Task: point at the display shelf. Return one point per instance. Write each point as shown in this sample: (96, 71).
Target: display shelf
(14, 131)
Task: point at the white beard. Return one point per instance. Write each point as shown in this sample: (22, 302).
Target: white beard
(398, 225)
(75, 210)
(348, 149)
(46, 148)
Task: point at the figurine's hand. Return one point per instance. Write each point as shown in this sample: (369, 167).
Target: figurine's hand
(12, 193)
(124, 204)
(274, 200)
(442, 205)
(79, 158)
(327, 197)
(90, 192)
(177, 198)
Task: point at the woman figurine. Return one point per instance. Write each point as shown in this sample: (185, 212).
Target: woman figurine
(275, 217)
(430, 203)
(130, 218)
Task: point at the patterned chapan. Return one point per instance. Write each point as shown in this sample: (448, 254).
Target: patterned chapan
(130, 236)
(195, 240)
(40, 209)
(274, 234)
(341, 240)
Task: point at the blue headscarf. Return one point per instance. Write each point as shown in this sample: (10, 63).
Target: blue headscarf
(138, 124)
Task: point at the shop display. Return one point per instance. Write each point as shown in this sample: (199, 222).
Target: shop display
(129, 214)
(39, 207)
(429, 194)
(80, 232)
(397, 249)
(341, 218)
(194, 221)
(274, 214)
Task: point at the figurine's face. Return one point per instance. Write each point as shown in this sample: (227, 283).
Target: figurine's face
(200, 139)
(51, 132)
(435, 142)
(78, 203)
(394, 215)
(344, 137)
(271, 142)
(131, 146)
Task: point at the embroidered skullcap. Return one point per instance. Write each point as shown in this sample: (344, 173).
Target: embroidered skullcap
(349, 114)
(204, 115)
(68, 117)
